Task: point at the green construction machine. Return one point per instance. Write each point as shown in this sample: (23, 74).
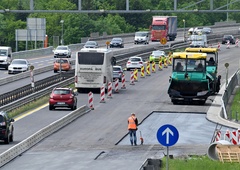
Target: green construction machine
(194, 78)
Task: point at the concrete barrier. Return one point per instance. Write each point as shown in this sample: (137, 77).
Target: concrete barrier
(32, 140)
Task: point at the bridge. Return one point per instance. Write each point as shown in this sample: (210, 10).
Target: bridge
(188, 9)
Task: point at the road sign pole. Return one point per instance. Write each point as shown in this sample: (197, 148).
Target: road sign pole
(167, 158)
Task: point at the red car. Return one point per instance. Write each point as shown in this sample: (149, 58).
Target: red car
(63, 97)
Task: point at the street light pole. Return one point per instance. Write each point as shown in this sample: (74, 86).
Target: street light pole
(184, 33)
(62, 40)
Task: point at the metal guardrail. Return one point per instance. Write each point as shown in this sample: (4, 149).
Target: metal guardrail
(230, 87)
(32, 140)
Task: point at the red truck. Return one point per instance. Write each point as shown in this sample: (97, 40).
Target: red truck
(163, 26)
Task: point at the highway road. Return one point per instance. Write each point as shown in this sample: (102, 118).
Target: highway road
(78, 144)
(96, 134)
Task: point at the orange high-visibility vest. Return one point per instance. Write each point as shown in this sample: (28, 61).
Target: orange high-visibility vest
(131, 123)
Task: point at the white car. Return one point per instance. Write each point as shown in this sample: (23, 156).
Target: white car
(135, 62)
(62, 51)
(18, 66)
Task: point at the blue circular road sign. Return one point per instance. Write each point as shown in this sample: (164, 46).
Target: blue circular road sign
(167, 135)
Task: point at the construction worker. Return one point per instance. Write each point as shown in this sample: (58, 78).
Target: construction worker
(132, 128)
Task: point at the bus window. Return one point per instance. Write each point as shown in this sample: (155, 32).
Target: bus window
(90, 58)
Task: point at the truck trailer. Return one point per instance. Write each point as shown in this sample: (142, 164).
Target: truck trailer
(163, 27)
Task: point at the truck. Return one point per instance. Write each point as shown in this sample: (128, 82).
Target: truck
(198, 40)
(163, 27)
(193, 79)
(5, 57)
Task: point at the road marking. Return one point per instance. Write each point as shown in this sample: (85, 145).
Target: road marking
(30, 112)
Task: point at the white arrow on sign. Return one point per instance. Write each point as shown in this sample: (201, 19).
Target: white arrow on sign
(167, 131)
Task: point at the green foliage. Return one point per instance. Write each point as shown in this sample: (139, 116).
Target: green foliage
(81, 25)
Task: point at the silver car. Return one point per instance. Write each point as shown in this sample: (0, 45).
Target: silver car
(135, 62)
(62, 51)
(91, 44)
(117, 73)
(18, 66)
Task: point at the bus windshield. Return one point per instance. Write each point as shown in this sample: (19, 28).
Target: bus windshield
(88, 58)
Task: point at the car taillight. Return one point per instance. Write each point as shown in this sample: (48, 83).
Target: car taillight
(129, 62)
(140, 62)
(71, 96)
(51, 96)
(3, 131)
(119, 72)
(104, 79)
(76, 79)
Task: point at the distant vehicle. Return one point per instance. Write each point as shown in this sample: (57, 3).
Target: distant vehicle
(6, 128)
(229, 38)
(117, 73)
(63, 97)
(91, 44)
(135, 62)
(62, 64)
(190, 31)
(18, 66)
(93, 68)
(117, 42)
(207, 30)
(155, 56)
(5, 56)
(198, 40)
(62, 51)
(198, 30)
(141, 37)
(163, 26)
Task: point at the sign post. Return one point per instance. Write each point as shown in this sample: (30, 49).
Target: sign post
(167, 135)
(163, 40)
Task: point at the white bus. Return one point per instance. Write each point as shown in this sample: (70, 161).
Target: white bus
(93, 68)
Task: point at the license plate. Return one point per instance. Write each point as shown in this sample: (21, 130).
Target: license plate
(134, 63)
(61, 103)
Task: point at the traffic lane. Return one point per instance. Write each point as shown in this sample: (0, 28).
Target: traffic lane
(103, 127)
(39, 62)
(23, 82)
(30, 124)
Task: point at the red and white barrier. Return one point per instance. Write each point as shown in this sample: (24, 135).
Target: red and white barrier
(90, 100)
(218, 135)
(227, 135)
(116, 85)
(236, 43)
(219, 46)
(132, 78)
(109, 90)
(228, 44)
(102, 94)
(234, 139)
(123, 82)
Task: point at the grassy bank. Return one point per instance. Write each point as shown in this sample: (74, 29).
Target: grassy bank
(198, 163)
(235, 107)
